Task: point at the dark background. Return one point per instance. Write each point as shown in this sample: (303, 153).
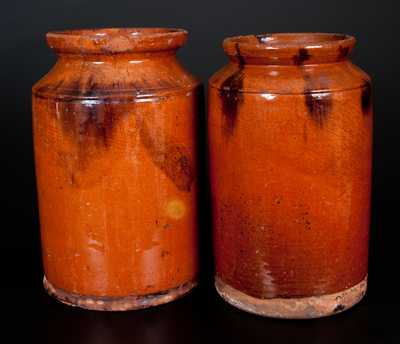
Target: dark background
(202, 316)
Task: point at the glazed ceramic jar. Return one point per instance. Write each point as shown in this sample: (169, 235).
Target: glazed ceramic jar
(114, 133)
(290, 133)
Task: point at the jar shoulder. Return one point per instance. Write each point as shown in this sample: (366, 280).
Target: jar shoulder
(83, 79)
(290, 79)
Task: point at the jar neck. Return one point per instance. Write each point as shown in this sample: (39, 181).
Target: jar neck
(289, 49)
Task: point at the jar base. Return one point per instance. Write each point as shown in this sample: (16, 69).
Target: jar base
(294, 308)
(124, 303)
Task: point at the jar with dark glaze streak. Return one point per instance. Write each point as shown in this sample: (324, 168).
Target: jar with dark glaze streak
(114, 133)
(290, 136)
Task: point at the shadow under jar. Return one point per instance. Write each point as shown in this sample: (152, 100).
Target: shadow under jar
(290, 136)
(114, 134)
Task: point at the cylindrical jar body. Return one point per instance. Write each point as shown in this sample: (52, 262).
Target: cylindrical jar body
(114, 133)
(290, 132)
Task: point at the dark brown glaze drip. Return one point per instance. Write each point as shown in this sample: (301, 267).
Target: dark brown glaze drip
(366, 98)
(87, 122)
(172, 158)
(318, 104)
(231, 96)
(90, 123)
(301, 57)
(90, 127)
(343, 53)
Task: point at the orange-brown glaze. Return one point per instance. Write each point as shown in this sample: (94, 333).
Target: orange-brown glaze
(114, 132)
(290, 132)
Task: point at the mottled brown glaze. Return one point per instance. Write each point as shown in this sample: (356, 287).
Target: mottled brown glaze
(114, 131)
(230, 95)
(291, 183)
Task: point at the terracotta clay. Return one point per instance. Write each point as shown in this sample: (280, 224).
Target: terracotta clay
(114, 133)
(290, 136)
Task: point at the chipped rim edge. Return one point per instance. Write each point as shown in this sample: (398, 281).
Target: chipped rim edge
(294, 308)
(125, 303)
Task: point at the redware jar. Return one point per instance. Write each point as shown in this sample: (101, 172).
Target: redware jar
(290, 134)
(114, 134)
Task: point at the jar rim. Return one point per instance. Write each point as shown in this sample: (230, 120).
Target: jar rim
(290, 48)
(116, 40)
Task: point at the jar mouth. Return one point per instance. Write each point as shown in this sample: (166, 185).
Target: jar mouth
(289, 48)
(116, 40)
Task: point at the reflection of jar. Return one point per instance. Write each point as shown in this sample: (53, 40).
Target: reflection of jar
(114, 128)
(290, 126)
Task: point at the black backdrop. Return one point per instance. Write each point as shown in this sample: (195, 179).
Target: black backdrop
(202, 316)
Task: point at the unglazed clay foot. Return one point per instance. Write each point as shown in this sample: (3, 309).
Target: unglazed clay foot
(293, 308)
(106, 303)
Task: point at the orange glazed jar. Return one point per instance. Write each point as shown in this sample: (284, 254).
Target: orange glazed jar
(290, 137)
(114, 134)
